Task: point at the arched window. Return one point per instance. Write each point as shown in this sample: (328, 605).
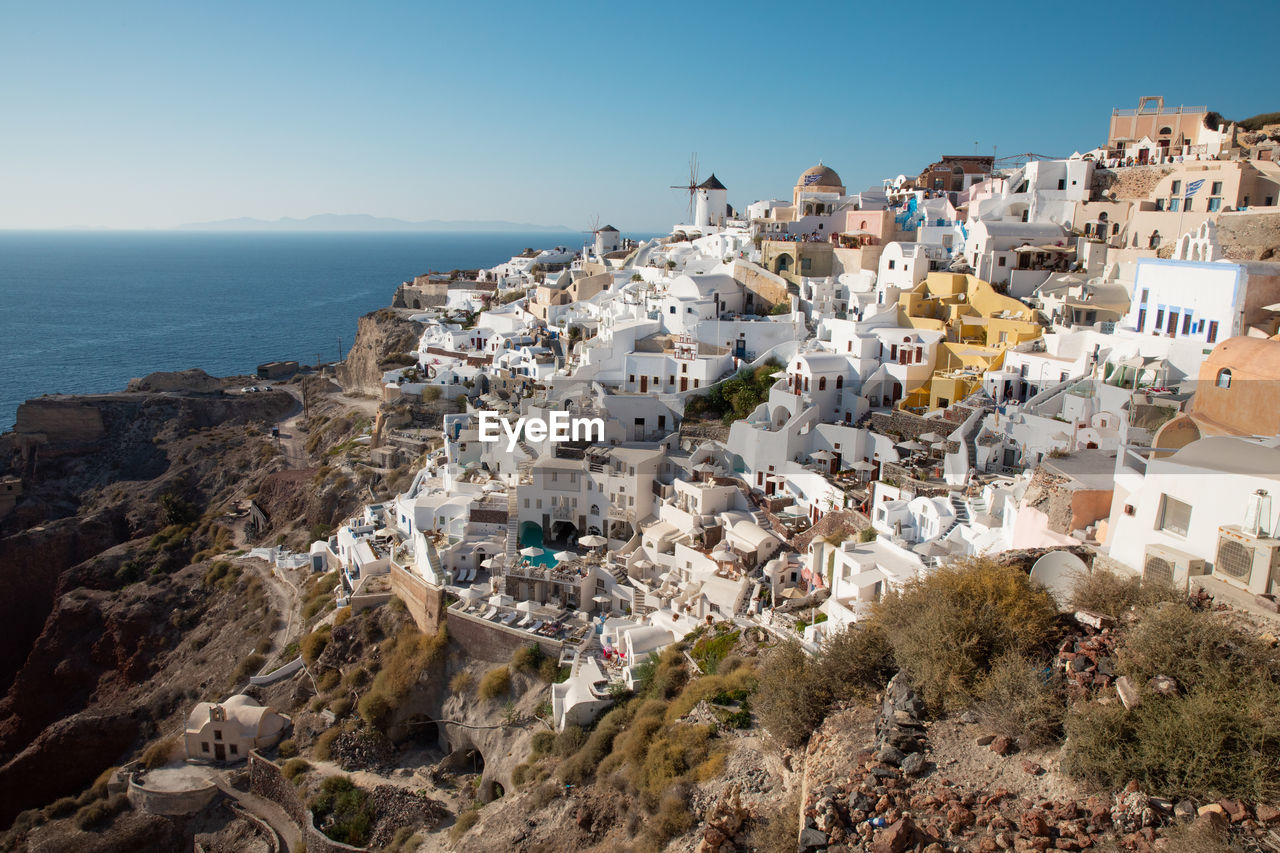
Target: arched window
(822, 383)
(1224, 378)
(1166, 131)
(839, 381)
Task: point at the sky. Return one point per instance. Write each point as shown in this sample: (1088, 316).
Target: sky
(137, 115)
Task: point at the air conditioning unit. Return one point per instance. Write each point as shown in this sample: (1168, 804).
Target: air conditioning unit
(1169, 566)
(1246, 559)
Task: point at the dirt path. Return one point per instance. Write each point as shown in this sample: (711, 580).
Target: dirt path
(268, 811)
(286, 600)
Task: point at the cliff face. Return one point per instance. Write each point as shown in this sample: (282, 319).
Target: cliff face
(378, 335)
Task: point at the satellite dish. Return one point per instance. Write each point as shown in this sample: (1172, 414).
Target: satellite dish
(1057, 572)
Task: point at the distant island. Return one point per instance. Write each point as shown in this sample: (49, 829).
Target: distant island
(364, 222)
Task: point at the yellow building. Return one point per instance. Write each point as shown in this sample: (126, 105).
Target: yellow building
(978, 326)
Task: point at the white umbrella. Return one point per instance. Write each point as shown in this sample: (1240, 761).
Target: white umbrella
(861, 465)
(565, 556)
(593, 541)
(527, 606)
(471, 595)
(491, 562)
(793, 592)
(500, 600)
(724, 555)
(825, 455)
(644, 564)
(931, 437)
(705, 467)
(912, 445)
(531, 551)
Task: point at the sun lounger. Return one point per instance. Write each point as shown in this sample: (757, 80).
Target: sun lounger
(509, 618)
(535, 626)
(490, 613)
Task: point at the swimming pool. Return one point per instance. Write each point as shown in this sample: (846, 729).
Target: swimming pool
(531, 535)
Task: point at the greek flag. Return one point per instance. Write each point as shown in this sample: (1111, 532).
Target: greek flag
(1193, 187)
(813, 179)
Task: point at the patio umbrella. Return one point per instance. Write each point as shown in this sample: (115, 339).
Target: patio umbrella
(931, 437)
(491, 562)
(470, 595)
(706, 467)
(912, 445)
(501, 600)
(531, 551)
(723, 555)
(644, 564)
(794, 592)
(528, 606)
(824, 455)
(593, 541)
(565, 556)
(861, 465)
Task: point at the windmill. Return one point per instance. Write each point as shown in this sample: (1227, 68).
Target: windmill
(692, 186)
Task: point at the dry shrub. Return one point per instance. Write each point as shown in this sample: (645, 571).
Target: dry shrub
(796, 689)
(342, 617)
(100, 812)
(159, 753)
(672, 819)
(496, 682)
(314, 644)
(324, 743)
(287, 748)
(527, 658)
(1104, 591)
(404, 659)
(1023, 699)
(1218, 736)
(328, 680)
(948, 627)
(776, 830)
(580, 767)
(568, 741)
(465, 821)
(462, 682)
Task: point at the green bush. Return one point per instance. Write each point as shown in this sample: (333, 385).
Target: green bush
(543, 742)
(287, 748)
(710, 649)
(295, 767)
(342, 811)
(948, 627)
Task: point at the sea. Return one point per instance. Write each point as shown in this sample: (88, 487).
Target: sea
(85, 312)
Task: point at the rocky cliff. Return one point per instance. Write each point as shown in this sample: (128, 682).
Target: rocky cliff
(378, 336)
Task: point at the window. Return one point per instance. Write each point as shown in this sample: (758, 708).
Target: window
(1224, 378)
(1146, 293)
(1174, 204)
(204, 746)
(1175, 187)
(1186, 323)
(1159, 204)
(839, 381)
(822, 383)
(235, 749)
(1215, 188)
(891, 264)
(217, 734)
(1187, 207)
(1159, 320)
(1062, 183)
(1175, 516)
(1213, 331)
(1000, 262)
(1215, 204)
(1115, 228)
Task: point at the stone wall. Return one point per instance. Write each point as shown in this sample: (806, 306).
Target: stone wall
(64, 425)
(425, 602)
(764, 284)
(266, 780)
(161, 802)
(485, 640)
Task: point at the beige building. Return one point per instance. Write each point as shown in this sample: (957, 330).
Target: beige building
(227, 731)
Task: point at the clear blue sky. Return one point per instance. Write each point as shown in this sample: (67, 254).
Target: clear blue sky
(151, 114)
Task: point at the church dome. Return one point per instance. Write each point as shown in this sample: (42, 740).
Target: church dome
(819, 176)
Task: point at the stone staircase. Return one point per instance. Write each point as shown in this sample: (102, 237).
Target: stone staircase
(513, 523)
(961, 506)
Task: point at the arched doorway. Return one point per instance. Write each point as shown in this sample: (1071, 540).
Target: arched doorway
(564, 532)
